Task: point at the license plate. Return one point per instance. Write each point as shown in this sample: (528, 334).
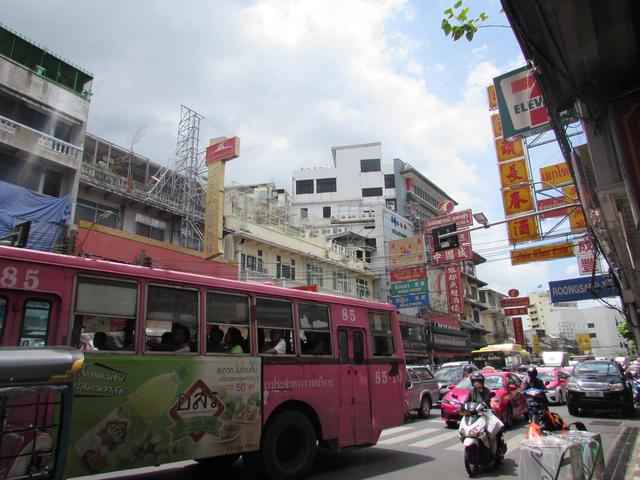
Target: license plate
(595, 394)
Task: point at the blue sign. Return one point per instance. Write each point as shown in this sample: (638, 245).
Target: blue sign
(576, 289)
(406, 301)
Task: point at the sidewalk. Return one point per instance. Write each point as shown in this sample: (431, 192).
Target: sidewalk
(633, 468)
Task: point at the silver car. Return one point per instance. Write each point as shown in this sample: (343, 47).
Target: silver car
(422, 390)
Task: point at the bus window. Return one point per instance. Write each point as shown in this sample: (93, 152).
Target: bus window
(343, 346)
(275, 326)
(381, 334)
(35, 323)
(227, 323)
(3, 315)
(358, 347)
(105, 315)
(315, 331)
(172, 319)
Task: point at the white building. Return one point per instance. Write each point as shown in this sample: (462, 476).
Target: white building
(540, 308)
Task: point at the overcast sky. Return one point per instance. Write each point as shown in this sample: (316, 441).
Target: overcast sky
(293, 79)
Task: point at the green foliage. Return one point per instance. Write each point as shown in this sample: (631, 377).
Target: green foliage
(624, 331)
(457, 23)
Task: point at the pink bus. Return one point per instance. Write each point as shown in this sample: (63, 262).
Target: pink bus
(182, 366)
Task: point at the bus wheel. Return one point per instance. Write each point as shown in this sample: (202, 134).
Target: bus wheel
(288, 446)
(222, 461)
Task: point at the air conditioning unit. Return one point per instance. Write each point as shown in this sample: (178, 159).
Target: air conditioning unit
(341, 230)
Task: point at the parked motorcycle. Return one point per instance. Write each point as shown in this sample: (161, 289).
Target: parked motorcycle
(543, 421)
(481, 434)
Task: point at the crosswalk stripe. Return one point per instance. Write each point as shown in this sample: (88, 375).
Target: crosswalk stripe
(433, 440)
(406, 436)
(513, 444)
(391, 431)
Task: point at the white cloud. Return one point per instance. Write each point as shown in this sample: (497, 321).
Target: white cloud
(438, 68)
(414, 68)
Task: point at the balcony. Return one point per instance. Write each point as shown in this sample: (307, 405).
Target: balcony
(27, 139)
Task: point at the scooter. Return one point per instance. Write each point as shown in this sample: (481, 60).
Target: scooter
(541, 420)
(481, 434)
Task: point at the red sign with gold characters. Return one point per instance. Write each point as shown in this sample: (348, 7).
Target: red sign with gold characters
(454, 289)
(514, 302)
(223, 149)
(453, 255)
(510, 312)
(461, 219)
(411, 273)
(518, 331)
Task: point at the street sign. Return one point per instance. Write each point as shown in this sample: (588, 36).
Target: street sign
(509, 150)
(455, 255)
(518, 331)
(513, 173)
(543, 253)
(453, 278)
(575, 289)
(407, 301)
(410, 287)
(410, 273)
(586, 256)
(517, 200)
(523, 230)
(512, 312)
(515, 302)
(462, 219)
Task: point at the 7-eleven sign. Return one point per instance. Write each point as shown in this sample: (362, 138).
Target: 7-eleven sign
(520, 103)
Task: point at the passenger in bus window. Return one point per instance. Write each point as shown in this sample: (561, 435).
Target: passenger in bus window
(233, 340)
(100, 341)
(215, 344)
(277, 345)
(181, 339)
(316, 343)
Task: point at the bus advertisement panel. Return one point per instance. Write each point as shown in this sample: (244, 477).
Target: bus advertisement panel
(507, 356)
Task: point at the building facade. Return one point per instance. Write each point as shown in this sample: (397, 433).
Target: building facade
(493, 318)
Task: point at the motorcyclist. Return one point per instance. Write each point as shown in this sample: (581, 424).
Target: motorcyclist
(467, 371)
(482, 394)
(534, 382)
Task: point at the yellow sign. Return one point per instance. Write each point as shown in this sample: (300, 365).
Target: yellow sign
(523, 230)
(517, 200)
(584, 342)
(493, 99)
(407, 251)
(543, 253)
(536, 343)
(577, 220)
(213, 218)
(496, 126)
(554, 175)
(509, 150)
(514, 173)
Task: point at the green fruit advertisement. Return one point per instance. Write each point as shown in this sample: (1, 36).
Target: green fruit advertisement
(131, 412)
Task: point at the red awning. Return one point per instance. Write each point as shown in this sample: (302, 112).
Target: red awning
(443, 319)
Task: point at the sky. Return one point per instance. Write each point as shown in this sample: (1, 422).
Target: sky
(293, 79)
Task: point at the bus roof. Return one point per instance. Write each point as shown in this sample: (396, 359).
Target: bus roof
(107, 267)
(503, 347)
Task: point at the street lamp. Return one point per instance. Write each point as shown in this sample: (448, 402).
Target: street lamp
(103, 215)
(482, 219)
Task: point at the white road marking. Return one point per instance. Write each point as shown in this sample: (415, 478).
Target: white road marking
(391, 431)
(433, 440)
(407, 436)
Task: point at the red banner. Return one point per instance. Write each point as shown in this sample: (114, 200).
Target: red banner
(223, 150)
(548, 203)
(454, 289)
(411, 273)
(461, 219)
(518, 331)
(515, 302)
(510, 312)
(453, 255)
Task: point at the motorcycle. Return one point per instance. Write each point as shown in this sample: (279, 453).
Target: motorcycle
(481, 434)
(543, 421)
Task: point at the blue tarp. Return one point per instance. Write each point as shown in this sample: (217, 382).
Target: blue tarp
(47, 214)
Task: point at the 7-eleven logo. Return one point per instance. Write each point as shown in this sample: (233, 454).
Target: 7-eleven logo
(528, 101)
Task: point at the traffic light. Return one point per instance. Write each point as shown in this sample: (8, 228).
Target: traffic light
(444, 243)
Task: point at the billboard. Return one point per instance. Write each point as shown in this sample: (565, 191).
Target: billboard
(223, 149)
(520, 103)
(584, 342)
(407, 251)
(575, 289)
(543, 253)
(461, 219)
(555, 175)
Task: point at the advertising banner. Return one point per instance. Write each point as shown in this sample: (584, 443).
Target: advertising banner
(523, 230)
(454, 289)
(536, 343)
(406, 301)
(515, 302)
(509, 149)
(555, 175)
(586, 254)
(130, 413)
(514, 173)
(575, 289)
(438, 290)
(547, 203)
(410, 287)
(222, 149)
(491, 96)
(407, 251)
(411, 273)
(512, 312)
(518, 331)
(496, 126)
(584, 342)
(520, 104)
(517, 200)
(543, 253)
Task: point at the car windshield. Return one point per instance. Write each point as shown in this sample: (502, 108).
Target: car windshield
(546, 376)
(449, 375)
(602, 368)
(493, 382)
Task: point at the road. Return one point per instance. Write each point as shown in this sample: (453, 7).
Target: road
(421, 449)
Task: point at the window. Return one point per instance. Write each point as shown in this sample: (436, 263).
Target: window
(275, 326)
(326, 212)
(97, 213)
(260, 262)
(105, 315)
(381, 332)
(362, 288)
(423, 374)
(372, 192)
(390, 181)
(315, 331)
(425, 196)
(227, 317)
(289, 271)
(172, 319)
(591, 325)
(325, 185)
(304, 213)
(340, 282)
(370, 165)
(150, 232)
(390, 203)
(483, 296)
(358, 347)
(314, 275)
(3, 315)
(278, 266)
(343, 346)
(252, 262)
(35, 323)
(304, 186)
(592, 335)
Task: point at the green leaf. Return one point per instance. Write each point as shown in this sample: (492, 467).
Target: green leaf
(447, 29)
(457, 4)
(457, 33)
(469, 35)
(448, 11)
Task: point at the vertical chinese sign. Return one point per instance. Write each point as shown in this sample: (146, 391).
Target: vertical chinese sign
(453, 276)
(518, 331)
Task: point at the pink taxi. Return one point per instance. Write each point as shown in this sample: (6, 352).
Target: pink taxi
(555, 379)
(508, 403)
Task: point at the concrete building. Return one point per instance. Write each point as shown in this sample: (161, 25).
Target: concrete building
(493, 319)
(540, 308)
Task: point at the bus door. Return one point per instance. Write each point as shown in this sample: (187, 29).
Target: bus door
(28, 319)
(355, 404)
